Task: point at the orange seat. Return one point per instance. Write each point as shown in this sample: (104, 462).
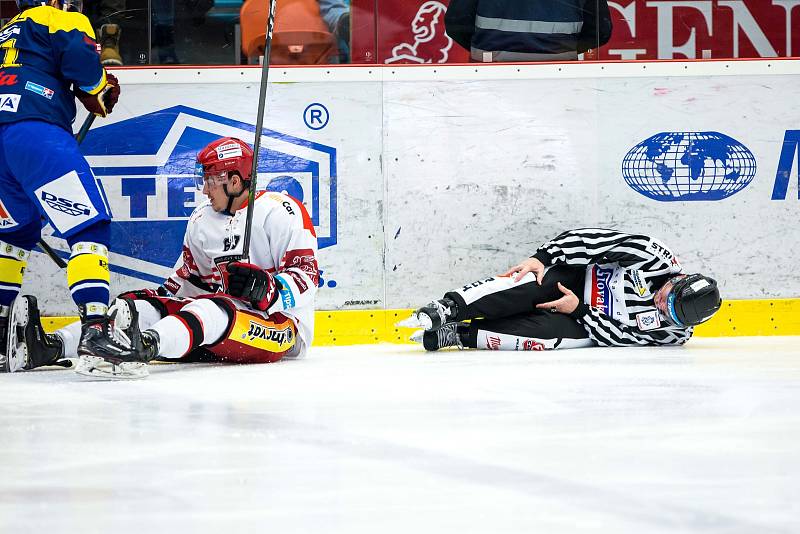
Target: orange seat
(300, 37)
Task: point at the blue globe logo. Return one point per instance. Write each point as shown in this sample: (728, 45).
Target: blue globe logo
(673, 166)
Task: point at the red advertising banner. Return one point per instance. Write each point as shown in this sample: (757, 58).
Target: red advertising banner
(404, 31)
(703, 29)
(412, 31)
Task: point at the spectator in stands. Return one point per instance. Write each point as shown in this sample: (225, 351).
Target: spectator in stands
(336, 14)
(510, 30)
(163, 39)
(106, 15)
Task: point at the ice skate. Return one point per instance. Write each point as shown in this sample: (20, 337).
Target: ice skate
(28, 345)
(431, 316)
(446, 336)
(116, 351)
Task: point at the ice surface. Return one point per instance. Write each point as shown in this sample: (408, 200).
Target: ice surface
(388, 439)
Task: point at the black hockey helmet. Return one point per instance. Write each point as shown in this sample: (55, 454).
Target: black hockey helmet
(693, 299)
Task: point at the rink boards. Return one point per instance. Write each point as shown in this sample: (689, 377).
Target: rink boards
(420, 179)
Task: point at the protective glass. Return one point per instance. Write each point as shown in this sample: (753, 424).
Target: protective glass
(72, 5)
(212, 178)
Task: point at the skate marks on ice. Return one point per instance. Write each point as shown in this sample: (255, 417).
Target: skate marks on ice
(630, 440)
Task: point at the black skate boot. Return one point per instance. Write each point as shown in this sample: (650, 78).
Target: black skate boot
(29, 346)
(448, 335)
(432, 316)
(117, 352)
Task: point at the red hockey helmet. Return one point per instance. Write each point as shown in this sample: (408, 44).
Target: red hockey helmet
(219, 158)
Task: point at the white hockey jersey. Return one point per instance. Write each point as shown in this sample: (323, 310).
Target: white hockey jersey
(282, 242)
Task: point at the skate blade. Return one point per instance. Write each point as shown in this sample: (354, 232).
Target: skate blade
(416, 337)
(16, 351)
(99, 369)
(412, 322)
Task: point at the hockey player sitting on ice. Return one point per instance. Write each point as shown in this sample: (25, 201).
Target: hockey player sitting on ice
(213, 304)
(585, 287)
(50, 58)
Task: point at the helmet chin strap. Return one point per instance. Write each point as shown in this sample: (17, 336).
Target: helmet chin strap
(234, 196)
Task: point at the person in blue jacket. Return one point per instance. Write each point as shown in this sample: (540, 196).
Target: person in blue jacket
(50, 57)
(511, 30)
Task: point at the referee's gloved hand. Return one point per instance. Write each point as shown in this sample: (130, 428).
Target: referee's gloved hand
(252, 284)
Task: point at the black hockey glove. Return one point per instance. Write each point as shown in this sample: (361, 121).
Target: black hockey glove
(252, 284)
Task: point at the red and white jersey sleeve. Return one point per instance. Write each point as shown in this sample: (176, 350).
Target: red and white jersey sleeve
(282, 242)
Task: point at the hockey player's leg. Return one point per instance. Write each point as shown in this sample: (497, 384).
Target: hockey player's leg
(495, 297)
(229, 330)
(534, 331)
(115, 353)
(111, 352)
(492, 296)
(57, 179)
(15, 245)
(253, 337)
(449, 335)
(432, 316)
(29, 346)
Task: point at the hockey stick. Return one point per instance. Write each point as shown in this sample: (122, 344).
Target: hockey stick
(79, 137)
(262, 103)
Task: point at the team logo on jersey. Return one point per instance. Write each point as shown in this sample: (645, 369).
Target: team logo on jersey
(230, 243)
(40, 90)
(648, 320)
(6, 220)
(149, 181)
(601, 290)
(9, 103)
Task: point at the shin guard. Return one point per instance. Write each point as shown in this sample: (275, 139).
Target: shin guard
(13, 261)
(88, 277)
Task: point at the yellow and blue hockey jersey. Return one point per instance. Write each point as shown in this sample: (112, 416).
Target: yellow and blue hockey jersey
(46, 51)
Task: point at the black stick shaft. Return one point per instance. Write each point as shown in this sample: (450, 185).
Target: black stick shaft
(87, 124)
(79, 137)
(262, 104)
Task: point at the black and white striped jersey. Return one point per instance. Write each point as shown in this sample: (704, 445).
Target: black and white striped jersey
(623, 273)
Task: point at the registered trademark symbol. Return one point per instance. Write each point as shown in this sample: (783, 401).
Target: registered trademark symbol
(316, 116)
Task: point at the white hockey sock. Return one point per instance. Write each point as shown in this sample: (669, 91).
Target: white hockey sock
(70, 335)
(174, 337)
(148, 314)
